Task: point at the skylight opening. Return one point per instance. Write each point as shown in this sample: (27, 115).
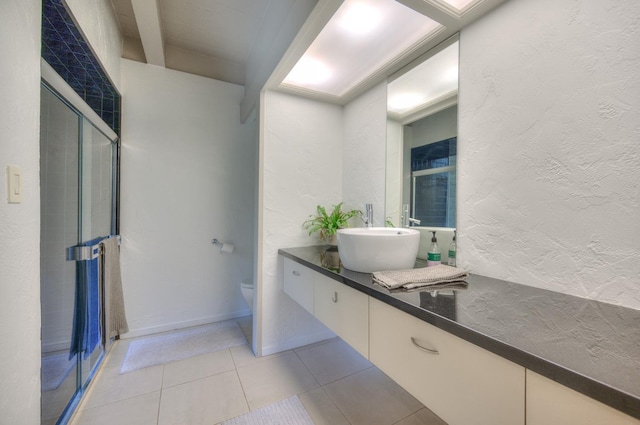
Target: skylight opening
(360, 39)
(308, 71)
(360, 19)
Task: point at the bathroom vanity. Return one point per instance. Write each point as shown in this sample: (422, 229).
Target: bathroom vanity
(495, 353)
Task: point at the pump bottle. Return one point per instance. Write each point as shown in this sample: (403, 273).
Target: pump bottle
(433, 256)
(451, 257)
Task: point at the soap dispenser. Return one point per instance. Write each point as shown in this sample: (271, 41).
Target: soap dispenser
(451, 258)
(433, 256)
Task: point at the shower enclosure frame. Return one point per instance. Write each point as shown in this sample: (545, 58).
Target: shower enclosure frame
(56, 85)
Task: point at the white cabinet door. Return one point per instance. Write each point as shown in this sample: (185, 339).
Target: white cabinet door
(343, 310)
(460, 382)
(298, 283)
(550, 403)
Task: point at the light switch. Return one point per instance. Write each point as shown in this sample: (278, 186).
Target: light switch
(14, 184)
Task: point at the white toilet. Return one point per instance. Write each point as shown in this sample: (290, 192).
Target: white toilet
(247, 292)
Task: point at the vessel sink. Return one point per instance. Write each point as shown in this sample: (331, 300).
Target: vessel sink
(370, 249)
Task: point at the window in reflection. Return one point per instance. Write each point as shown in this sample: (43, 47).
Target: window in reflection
(433, 194)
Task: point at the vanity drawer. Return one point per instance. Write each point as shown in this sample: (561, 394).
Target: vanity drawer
(298, 283)
(461, 382)
(343, 310)
(549, 403)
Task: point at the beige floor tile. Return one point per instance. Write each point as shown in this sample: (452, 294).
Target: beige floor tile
(110, 386)
(243, 356)
(332, 361)
(316, 344)
(371, 398)
(275, 379)
(321, 408)
(117, 353)
(197, 367)
(139, 410)
(206, 401)
(422, 417)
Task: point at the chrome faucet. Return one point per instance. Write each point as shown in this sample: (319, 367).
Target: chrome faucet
(413, 222)
(407, 221)
(368, 215)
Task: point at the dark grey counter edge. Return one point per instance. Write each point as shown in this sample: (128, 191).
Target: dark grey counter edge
(613, 397)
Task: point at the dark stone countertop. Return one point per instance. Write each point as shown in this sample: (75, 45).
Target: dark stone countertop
(589, 346)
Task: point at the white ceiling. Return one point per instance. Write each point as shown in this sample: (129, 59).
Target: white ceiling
(212, 38)
(218, 38)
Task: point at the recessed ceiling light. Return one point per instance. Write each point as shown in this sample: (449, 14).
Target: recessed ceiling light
(308, 71)
(359, 18)
(405, 101)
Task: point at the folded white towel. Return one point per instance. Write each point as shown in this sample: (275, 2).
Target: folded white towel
(416, 278)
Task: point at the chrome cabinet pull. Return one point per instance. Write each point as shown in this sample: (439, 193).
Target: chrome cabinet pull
(428, 350)
(335, 297)
(296, 273)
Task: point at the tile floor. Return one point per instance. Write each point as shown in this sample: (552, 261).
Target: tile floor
(335, 384)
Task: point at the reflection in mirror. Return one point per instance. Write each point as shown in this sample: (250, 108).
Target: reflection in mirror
(421, 141)
(432, 197)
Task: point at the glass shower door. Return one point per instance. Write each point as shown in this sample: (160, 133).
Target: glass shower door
(59, 164)
(77, 208)
(96, 207)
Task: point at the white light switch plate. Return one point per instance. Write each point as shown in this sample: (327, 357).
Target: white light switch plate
(14, 184)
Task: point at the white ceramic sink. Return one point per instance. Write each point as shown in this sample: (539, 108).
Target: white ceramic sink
(371, 249)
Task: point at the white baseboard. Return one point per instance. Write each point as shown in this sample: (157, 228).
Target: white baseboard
(297, 342)
(187, 324)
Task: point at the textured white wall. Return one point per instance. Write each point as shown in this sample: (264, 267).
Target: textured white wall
(301, 167)
(364, 152)
(187, 177)
(20, 223)
(98, 22)
(549, 175)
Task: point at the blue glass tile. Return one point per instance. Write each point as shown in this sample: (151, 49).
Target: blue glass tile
(64, 48)
(439, 154)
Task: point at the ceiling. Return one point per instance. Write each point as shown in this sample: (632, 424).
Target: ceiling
(217, 38)
(211, 38)
(360, 38)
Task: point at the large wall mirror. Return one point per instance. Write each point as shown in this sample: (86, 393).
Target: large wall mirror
(422, 131)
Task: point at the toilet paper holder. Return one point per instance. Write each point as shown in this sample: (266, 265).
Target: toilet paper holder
(226, 248)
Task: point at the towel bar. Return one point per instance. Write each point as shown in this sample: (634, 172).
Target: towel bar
(83, 253)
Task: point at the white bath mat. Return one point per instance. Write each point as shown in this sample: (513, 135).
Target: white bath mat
(285, 412)
(182, 345)
(55, 368)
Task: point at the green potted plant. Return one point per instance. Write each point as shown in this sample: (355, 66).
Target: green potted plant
(327, 224)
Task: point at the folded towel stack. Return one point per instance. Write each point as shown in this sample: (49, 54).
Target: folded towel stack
(436, 276)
